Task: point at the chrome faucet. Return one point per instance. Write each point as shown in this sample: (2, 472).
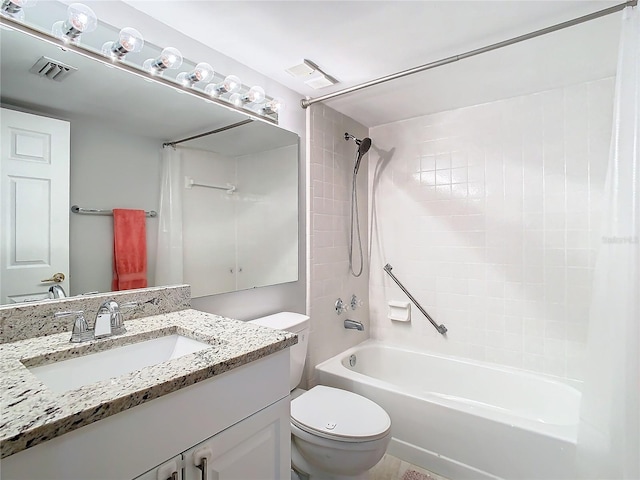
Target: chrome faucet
(353, 325)
(108, 320)
(56, 291)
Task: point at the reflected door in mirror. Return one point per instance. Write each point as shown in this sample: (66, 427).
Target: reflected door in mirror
(34, 213)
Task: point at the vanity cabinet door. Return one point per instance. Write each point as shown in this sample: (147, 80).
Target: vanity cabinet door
(169, 470)
(257, 448)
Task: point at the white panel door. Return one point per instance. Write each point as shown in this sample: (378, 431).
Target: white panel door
(34, 205)
(257, 448)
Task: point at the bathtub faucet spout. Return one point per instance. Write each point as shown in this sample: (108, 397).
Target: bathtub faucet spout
(353, 325)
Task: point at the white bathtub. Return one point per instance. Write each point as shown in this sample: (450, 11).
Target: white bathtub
(464, 419)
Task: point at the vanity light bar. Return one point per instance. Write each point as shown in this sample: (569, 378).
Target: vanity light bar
(97, 56)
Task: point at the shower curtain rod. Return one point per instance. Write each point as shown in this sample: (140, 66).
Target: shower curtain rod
(217, 130)
(306, 102)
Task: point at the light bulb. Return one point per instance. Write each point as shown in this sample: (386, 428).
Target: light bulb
(276, 105)
(13, 8)
(229, 85)
(80, 19)
(129, 40)
(254, 95)
(236, 100)
(201, 73)
(170, 59)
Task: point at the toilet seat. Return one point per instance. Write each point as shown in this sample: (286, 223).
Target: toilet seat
(339, 415)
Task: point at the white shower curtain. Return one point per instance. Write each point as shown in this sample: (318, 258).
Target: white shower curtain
(609, 433)
(169, 254)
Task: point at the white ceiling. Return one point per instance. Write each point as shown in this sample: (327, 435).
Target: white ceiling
(357, 41)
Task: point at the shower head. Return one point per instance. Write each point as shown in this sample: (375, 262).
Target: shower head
(363, 147)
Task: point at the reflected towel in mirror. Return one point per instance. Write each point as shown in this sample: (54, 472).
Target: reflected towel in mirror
(129, 249)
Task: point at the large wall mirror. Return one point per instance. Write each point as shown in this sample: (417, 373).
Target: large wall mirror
(238, 186)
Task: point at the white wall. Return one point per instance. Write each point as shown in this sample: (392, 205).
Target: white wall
(109, 169)
(490, 216)
(330, 176)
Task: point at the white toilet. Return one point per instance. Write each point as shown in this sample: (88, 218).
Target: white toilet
(335, 434)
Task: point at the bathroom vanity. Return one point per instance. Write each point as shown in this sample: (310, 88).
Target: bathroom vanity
(224, 406)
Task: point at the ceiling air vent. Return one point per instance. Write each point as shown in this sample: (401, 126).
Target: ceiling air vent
(52, 69)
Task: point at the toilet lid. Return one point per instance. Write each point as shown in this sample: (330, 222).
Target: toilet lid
(339, 414)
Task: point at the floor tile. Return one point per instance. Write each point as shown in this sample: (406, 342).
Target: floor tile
(392, 468)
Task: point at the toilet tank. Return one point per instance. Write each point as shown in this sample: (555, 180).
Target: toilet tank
(294, 323)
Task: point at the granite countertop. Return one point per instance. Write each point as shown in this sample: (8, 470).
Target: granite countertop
(32, 413)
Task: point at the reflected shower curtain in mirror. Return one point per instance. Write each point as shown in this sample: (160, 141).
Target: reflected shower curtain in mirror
(169, 254)
(608, 437)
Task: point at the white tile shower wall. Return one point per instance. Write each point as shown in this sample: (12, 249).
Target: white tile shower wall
(490, 216)
(331, 169)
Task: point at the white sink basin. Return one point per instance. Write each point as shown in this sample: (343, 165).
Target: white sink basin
(76, 372)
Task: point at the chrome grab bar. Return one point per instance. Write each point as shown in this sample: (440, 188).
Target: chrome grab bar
(441, 328)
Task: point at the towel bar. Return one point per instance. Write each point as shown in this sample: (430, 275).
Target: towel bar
(99, 211)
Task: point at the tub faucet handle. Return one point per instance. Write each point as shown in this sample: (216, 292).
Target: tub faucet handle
(355, 302)
(341, 307)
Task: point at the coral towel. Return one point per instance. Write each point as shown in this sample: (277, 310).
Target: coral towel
(129, 249)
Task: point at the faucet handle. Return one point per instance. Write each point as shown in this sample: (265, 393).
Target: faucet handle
(341, 307)
(117, 322)
(81, 332)
(117, 319)
(355, 302)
